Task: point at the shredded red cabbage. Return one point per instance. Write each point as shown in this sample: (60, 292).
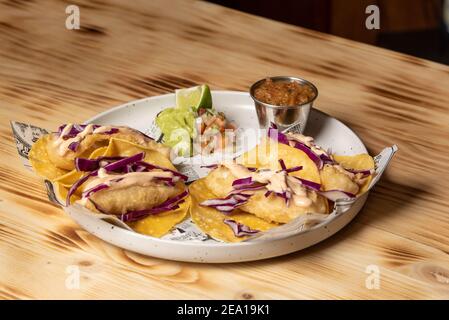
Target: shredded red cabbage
(77, 184)
(122, 163)
(284, 195)
(240, 229)
(246, 184)
(73, 146)
(150, 166)
(84, 164)
(87, 165)
(316, 159)
(282, 163)
(133, 163)
(170, 204)
(310, 184)
(243, 181)
(91, 191)
(293, 169)
(252, 187)
(326, 159)
(228, 204)
(77, 128)
(136, 168)
(282, 138)
(277, 136)
(115, 130)
(334, 195)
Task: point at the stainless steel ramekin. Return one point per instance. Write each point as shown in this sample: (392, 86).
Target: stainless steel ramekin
(283, 116)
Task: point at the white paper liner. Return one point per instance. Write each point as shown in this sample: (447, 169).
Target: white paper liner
(26, 134)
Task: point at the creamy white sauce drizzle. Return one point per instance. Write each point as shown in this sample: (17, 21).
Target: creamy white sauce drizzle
(308, 141)
(278, 182)
(102, 129)
(62, 145)
(299, 193)
(142, 179)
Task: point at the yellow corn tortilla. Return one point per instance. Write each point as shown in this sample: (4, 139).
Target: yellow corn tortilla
(124, 148)
(357, 162)
(361, 161)
(61, 192)
(160, 224)
(116, 147)
(94, 141)
(268, 153)
(210, 221)
(154, 225)
(40, 161)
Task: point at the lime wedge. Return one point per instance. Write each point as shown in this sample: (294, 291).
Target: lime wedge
(195, 97)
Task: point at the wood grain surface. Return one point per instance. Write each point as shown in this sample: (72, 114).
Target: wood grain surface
(132, 49)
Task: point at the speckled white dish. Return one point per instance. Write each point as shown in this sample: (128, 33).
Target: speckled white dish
(328, 132)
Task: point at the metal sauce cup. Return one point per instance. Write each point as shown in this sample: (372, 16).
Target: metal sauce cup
(293, 118)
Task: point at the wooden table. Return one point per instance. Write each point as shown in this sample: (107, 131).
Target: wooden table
(50, 75)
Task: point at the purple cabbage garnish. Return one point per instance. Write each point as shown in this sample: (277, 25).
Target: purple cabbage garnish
(242, 182)
(77, 184)
(288, 170)
(84, 164)
(125, 165)
(74, 131)
(282, 138)
(239, 229)
(73, 146)
(91, 191)
(334, 195)
(310, 184)
(326, 159)
(228, 204)
(316, 159)
(170, 204)
(277, 136)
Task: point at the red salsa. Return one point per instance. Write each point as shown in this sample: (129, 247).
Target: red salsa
(284, 93)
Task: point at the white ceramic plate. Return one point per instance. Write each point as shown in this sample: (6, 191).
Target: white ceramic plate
(187, 243)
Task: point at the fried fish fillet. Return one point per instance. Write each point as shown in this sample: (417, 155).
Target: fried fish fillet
(334, 179)
(121, 200)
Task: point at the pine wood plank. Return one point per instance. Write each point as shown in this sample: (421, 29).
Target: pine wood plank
(127, 51)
